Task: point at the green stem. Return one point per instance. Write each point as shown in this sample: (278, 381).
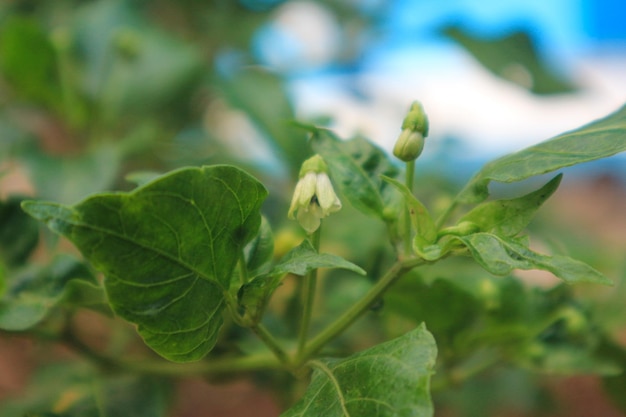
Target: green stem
(310, 283)
(243, 270)
(410, 174)
(271, 343)
(213, 366)
(357, 310)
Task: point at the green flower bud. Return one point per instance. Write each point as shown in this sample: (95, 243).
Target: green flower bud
(416, 120)
(409, 145)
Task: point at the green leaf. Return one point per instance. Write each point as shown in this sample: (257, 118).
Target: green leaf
(19, 233)
(356, 166)
(426, 231)
(31, 295)
(388, 380)
(513, 57)
(510, 217)
(304, 258)
(167, 249)
(599, 139)
(254, 295)
(260, 250)
(501, 256)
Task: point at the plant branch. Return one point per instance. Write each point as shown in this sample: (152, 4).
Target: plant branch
(357, 309)
(270, 342)
(410, 174)
(165, 368)
(213, 366)
(308, 296)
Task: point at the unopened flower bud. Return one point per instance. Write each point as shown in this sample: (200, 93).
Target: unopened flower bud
(416, 119)
(409, 145)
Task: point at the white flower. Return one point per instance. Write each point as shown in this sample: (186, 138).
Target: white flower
(313, 199)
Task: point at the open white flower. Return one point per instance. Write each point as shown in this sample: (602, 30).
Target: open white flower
(314, 196)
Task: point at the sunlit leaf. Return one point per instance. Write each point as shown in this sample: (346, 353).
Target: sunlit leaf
(388, 380)
(167, 249)
(599, 139)
(510, 217)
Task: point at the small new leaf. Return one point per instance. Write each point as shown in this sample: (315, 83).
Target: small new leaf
(388, 380)
(304, 258)
(422, 222)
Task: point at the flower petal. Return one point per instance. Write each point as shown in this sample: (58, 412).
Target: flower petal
(307, 188)
(328, 200)
(309, 219)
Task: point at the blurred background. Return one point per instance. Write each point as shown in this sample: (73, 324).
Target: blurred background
(183, 79)
(102, 95)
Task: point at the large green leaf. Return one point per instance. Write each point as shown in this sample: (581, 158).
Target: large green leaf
(388, 380)
(599, 139)
(167, 249)
(356, 166)
(510, 217)
(501, 256)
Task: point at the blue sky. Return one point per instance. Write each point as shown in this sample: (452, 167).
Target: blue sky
(584, 39)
